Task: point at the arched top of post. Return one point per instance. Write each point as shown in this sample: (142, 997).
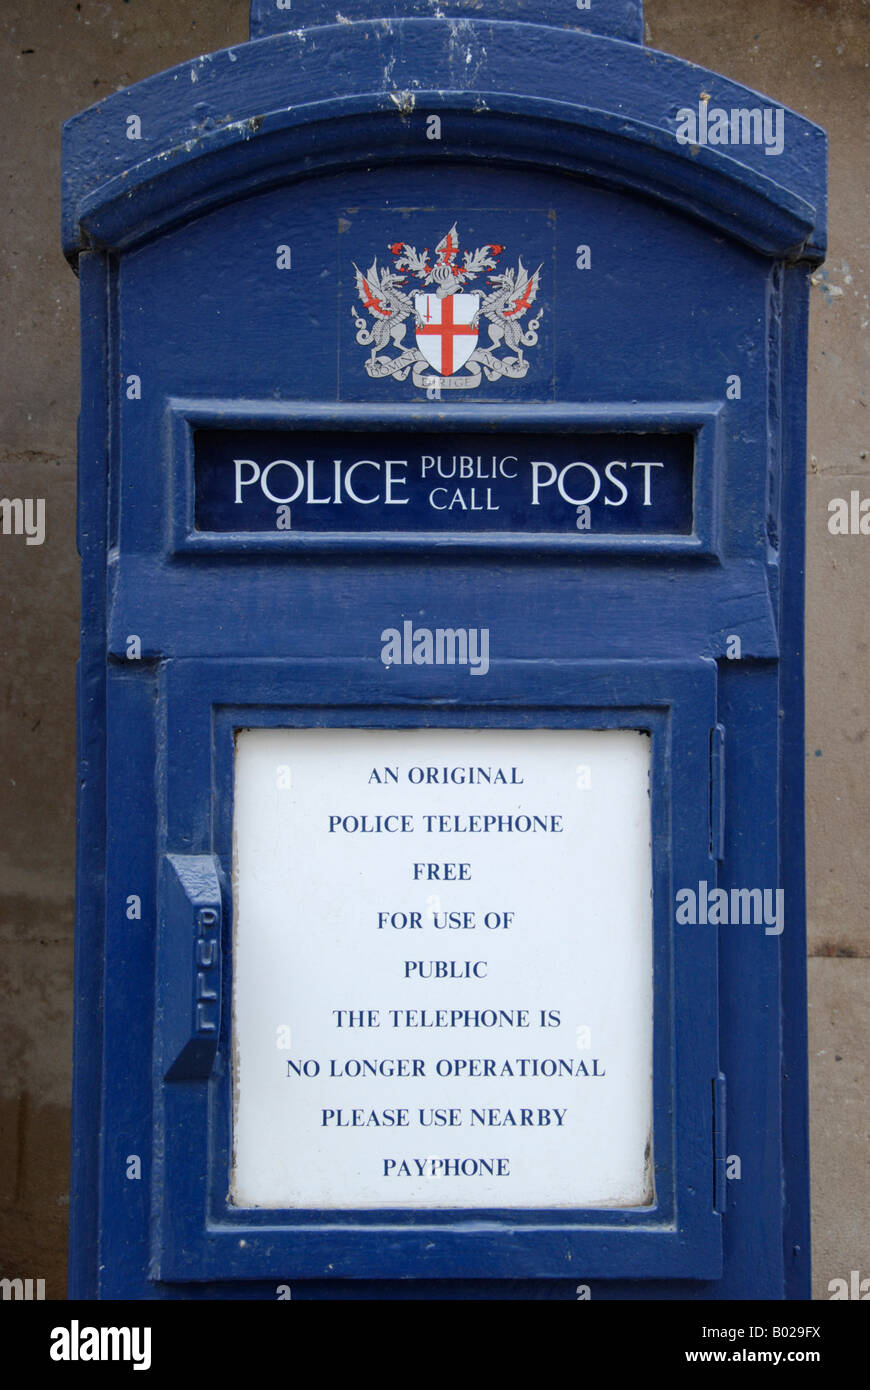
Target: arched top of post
(617, 19)
(318, 100)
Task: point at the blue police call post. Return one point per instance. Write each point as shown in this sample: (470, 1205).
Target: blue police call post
(440, 877)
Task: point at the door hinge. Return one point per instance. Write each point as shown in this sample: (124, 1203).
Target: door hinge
(720, 1145)
(717, 792)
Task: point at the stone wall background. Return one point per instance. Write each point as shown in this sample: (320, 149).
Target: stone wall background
(57, 56)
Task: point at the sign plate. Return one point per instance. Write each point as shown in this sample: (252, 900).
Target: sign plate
(442, 969)
(314, 481)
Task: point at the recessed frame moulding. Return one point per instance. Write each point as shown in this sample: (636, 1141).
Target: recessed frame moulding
(442, 968)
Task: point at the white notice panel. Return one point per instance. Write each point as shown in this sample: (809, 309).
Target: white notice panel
(442, 968)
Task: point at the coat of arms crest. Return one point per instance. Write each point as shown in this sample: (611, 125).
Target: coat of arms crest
(446, 320)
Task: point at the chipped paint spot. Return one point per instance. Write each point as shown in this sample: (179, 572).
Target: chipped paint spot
(404, 102)
(831, 292)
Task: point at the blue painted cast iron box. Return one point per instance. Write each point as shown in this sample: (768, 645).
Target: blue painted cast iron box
(440, 896)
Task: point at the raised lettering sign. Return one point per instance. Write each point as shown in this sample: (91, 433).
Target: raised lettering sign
(314, 481)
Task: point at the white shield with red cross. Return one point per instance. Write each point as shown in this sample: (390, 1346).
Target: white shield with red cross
(444, 332)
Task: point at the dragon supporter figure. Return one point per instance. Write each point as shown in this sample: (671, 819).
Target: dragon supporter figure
(446, 319)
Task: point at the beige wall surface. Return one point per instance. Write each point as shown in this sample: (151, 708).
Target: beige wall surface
(58, 56)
